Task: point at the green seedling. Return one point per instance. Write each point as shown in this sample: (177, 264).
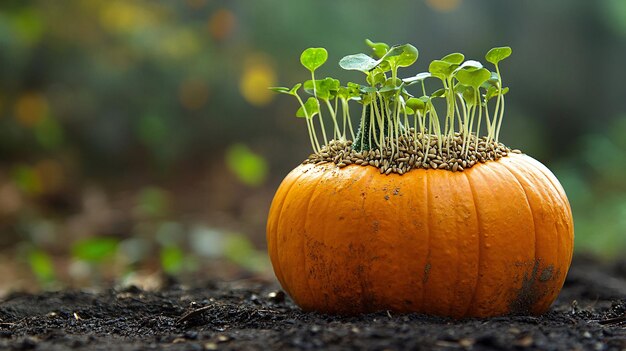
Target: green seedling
(390, 114)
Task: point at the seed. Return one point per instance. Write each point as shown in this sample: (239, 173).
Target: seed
(409, 152)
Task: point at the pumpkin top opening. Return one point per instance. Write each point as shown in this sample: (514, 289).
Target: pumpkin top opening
(414, 151)
(398, 131)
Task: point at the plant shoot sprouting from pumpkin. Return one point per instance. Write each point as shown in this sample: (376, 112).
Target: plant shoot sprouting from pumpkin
(400, 127)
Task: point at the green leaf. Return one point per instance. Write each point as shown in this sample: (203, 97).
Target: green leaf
(283, 90)
(380, 49)
(367, 90)
(491, 82)
(454, 58)
(491, 92)
(418, 77)
(313, 58)
(496, 55)
(408, 56)
(384, 66)
(295, 88)
(312, 107)
(358, 62)
(94, 250)
(471, 64)
(324, 88)
(415, 104)
(356, 89)
(401, 56)
(468, 96)
(249, 167)
(376, 76)
(349, 92)
(438, 93)
(473, 77)
(441, 69)
(390, 85)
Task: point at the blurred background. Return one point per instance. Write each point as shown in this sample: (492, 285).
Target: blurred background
(139, 137)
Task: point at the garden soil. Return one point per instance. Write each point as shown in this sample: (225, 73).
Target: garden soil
(590, 314)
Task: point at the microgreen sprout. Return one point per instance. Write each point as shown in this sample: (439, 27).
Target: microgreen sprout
(399, 127)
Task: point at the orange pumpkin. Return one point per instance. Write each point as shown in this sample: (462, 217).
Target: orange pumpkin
(495, 239)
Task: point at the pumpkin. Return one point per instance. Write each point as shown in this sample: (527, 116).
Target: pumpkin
(495, 239)
(417, 213)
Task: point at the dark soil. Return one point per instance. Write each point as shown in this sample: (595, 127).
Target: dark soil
(590, 314)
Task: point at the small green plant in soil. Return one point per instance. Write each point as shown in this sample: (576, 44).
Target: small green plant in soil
(400, 127)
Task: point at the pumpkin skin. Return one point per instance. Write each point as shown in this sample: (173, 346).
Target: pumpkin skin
(495, 239)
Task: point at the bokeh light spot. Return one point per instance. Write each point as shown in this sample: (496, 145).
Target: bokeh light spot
(221, 24)
(48, 132)
(180, 44)
(258, 75)
(196, 4)
(443, 5)
(615, 13)
(31, 108)
(26, 179)
(124, 16)
(193, 94)
(250, 168)
(51, 174)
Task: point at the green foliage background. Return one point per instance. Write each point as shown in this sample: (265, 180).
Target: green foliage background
(139, 135)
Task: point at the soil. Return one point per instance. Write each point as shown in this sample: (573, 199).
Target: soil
(590, 314)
